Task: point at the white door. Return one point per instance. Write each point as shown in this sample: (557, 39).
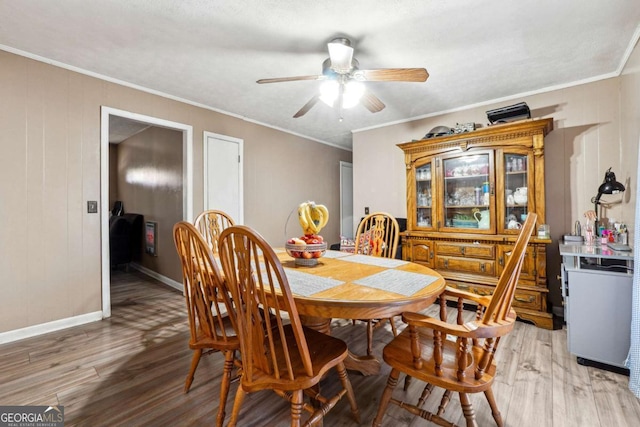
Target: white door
(223, 175)
(346, 199)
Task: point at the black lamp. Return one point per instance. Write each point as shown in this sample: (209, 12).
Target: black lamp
(609, 186)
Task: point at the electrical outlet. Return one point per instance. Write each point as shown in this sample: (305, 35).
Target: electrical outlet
(366, 210)
(92, 206)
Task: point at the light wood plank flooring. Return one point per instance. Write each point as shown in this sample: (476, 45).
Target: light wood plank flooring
(129, 371)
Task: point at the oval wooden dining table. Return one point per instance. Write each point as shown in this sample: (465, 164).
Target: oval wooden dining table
(352, 286)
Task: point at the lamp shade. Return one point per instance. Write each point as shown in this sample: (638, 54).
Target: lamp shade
(610, 184)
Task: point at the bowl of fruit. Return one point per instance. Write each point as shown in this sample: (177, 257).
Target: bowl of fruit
(308, 248)
(305, 250)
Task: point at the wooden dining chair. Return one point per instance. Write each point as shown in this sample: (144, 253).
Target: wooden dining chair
(210, 223)
(458, 357)
(207, 307)
(377, 235)
(278, 353)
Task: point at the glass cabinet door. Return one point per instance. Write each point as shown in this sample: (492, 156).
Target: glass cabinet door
(516, 192)
(424, 188)
(467, 192)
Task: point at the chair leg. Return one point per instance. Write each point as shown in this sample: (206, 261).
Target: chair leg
(425, 394)
(393, 326)
(296, 407)
(392, 382)
(407, 382)
(494, 407)
(446, 397)
(467, 410)
(224, 386)
(346, 384)
(192, 370)
(237, 405)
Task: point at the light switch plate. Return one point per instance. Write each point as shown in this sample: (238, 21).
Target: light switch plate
(92, 206)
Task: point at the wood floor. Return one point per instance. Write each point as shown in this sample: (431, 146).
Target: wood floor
(129, 371)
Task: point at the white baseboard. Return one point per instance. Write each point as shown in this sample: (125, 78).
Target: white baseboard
(159, 277)
(44, 328)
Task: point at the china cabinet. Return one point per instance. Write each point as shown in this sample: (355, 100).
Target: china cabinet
(467, 196)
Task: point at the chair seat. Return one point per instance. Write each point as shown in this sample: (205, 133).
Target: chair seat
(205, 342)
(398, 356)
(325, 351)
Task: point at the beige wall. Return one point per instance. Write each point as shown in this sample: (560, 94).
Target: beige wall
(50, 248)
(597, 126)
(149, 180)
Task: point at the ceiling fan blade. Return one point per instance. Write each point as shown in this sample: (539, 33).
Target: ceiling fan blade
(341, 55)
(306, 107)
(392, 75)
(371, 102)
(291, 79)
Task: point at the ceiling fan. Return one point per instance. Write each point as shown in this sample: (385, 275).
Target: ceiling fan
(343, 85)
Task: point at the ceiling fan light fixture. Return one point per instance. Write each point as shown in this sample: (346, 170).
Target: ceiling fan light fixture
(341, 54)
(329, 92)
(352, 92)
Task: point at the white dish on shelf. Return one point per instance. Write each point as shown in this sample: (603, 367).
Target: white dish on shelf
(520, 200)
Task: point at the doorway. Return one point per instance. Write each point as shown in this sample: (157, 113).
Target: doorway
(346, 199)
(187, 182)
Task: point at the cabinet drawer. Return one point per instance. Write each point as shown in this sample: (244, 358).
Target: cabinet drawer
(467, 249)
(528, 299)
(476, 289)
(466, 265)
(523, 299)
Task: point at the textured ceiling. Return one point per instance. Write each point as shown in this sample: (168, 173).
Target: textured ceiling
(212, 52)
(121, 129)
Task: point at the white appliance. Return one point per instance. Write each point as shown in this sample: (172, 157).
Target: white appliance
(597, 285)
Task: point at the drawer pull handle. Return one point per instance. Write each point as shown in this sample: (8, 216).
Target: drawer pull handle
(482, 293)
(482, 267)
(463, 287)
(446, 263)
(526, 300)
(462, 250)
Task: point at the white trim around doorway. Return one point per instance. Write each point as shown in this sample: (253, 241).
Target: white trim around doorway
(187, 176)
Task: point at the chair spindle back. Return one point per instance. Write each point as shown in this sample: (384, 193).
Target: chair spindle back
(378, 235)
(502, 298)
(202, 285)
(253, 275)
(211, 223)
